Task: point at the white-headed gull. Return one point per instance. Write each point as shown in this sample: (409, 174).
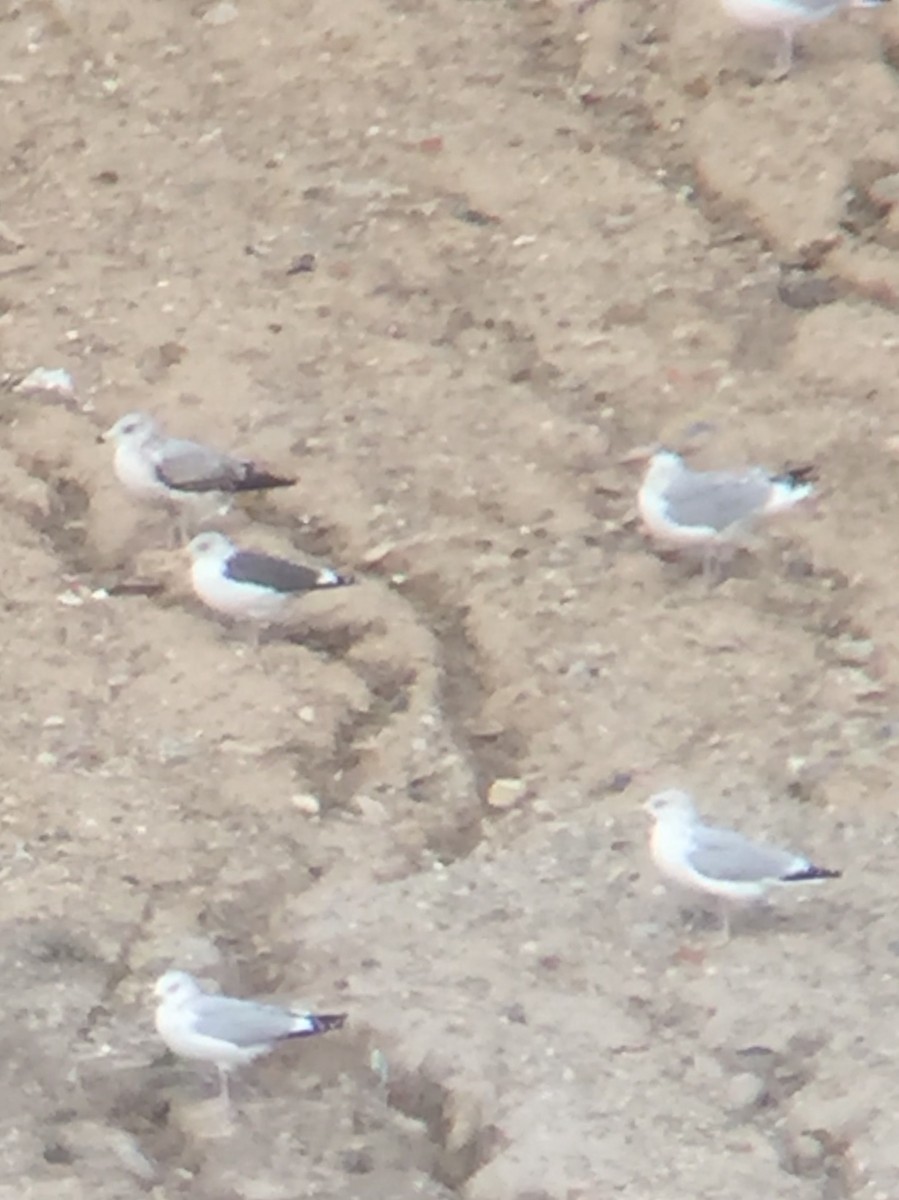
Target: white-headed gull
(224, 1030)
(184, 475)
(720, 862)
(250, 585)
(713, 510)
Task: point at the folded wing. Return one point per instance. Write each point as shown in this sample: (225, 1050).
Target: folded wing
(725, 855)
(717, 500)
(192, 467)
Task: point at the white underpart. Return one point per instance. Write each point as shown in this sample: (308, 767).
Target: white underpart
(778, 14)
(250, 601)
(670, 846)
(175, 1025)
(654, 511)
(136, 470)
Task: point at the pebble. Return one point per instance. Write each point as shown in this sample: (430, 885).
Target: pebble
(745, 1090)
(306, 803)
(506, 793)
(370, 809)
(222, 13)
(807, 1152)
(43, 379)
(378, 553)
(854, 651)
(885, 191)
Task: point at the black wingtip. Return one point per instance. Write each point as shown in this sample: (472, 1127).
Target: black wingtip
(256, 480)
(328, 1021)
(806, 473)
(317, 1023)
(337, 579)
(810, 873)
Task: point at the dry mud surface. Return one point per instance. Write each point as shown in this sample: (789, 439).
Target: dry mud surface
(540, 239)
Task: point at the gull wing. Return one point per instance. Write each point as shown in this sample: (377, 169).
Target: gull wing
(726, 855)
(279, 574)
(244, 1023)
(717, 499)
(192, 467)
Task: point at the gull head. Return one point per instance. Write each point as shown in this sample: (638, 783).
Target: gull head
(176, 986)
(663, 468)
(133, 429)
(671, 805)
(210, 547)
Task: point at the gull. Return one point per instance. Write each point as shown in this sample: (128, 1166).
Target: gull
(178, 473)
(248, 584)
(712, 510)
(720, 862)
(224, 1030)
(787, 17)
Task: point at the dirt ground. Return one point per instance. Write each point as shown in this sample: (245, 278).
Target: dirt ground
(535, 239)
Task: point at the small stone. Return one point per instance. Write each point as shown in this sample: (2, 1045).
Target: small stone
(804, 291)
(10, 240)
(173, 750)
(806, 1152)
(379, 1065)
(506, 793)
(378, 553)
(307, 714)
(885, 190)
(370, 810)
(357, 1161)
(222, 13)
(306, 803)
(854, 651)
(515, 1014)
(745, 1090)
(45, 379)
(303, 264)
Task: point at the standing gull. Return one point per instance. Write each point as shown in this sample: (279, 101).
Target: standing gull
(224, 1030)
(179, 473)
(248, 584)
(712, 510)
(787, 17)
(720, 862)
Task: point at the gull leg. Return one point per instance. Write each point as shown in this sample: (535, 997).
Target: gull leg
(724, 910)
(712, 560)
(784, 61)
(225, 1092)
(184, 526)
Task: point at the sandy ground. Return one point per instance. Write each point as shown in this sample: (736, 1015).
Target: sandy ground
(536, 239)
